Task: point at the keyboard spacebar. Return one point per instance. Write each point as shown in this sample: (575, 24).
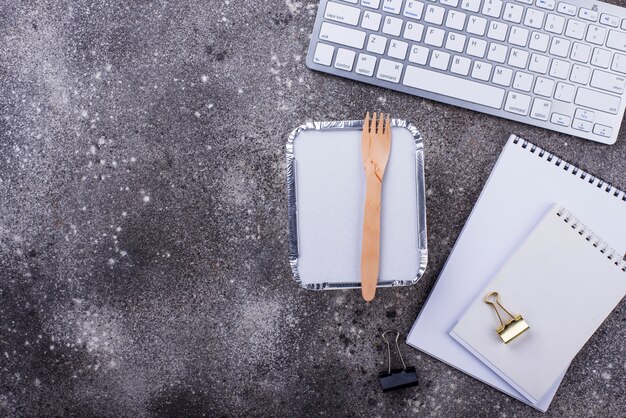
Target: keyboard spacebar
(455, 87)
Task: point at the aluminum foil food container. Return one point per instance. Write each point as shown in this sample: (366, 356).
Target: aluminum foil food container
(294, 254)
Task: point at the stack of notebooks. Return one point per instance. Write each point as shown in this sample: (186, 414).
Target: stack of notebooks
(550, 239)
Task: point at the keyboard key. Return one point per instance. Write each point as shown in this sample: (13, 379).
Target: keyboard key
(559, 119)
(492, 8)
(555, 23)
(544, 87)
(456, 20)
(616, 40)
(584, 114)
(518, 36)
(365, 64)
(374, 4)
(566, 8)
(377, 44)
(587, 14)
(454, 87)
(497, 30)
(581, 125)
(609, 20)
(518, 58)
(389, 70)
(580, 52)
(371, 21)
(534, 18)
(342, 35)
(539, 41)
(541, 109)
(476, 48)
(502, 76)
(419, 54)
(601, 58)
(580, 74)
(451, 3)
(392, 26)
(602, 130)
(481, 70)
(539, 63)
(476, 25)
(342, 13)
(455, 42)
(434, 37)
(471, 5)
(392, 6)
(413, 31)
(608, 81)
(497, 52)
(596, 35)
(597, 100)
(513, 13)
(345, 59)
(559, 69)
(619, 63)
(434, 14)
(460, 65)
(517, 103)
(522, 81)
(439, 60)
(575, 29)
(564, 92)
(546, 4)
(559, 47)
(323, 54)
(413, 9)
(397, 49)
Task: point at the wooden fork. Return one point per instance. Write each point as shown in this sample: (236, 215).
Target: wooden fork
(375, 148)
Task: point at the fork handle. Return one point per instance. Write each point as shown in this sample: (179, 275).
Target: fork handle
(370, 253)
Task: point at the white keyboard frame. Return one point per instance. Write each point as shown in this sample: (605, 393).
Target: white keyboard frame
(614, 121)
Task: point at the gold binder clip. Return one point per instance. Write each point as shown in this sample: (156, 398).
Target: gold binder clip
(512, 329)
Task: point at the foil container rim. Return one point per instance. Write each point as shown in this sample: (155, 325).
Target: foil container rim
(293, 210)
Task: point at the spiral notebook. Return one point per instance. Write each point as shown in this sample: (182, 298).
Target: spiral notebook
(564, 280)
(525, 183)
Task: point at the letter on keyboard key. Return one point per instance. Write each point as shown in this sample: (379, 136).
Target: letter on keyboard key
(596, 100)
(419, 54)
(607, 81)
(389, 70)
(454, 87)
(342, 13)
(517, 103)
(342, 35)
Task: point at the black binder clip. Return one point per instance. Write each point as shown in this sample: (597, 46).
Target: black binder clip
(396, 378)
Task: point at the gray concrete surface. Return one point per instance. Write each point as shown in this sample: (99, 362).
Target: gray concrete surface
(143, 255)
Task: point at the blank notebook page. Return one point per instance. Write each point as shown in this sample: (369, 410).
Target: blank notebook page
(523, 186)
(564, 281)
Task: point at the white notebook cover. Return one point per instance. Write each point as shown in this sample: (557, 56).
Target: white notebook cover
(564, 281)
(524, 184)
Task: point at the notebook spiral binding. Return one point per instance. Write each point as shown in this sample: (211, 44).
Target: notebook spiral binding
(591, 237)
(599, 183)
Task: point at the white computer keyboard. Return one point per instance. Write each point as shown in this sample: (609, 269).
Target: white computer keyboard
(558, 65)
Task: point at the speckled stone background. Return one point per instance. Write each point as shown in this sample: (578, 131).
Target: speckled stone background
(143, 254)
